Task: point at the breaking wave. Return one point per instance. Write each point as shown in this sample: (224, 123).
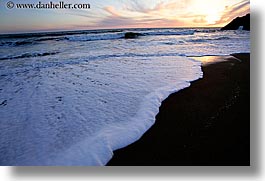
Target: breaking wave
(29, 55)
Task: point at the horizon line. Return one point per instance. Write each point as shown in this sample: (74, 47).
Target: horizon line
(58, 31)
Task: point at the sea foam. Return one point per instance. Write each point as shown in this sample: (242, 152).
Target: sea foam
(78, 114)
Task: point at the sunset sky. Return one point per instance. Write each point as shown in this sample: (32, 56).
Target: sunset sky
(106, 14)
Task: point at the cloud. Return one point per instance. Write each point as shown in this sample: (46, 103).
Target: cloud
(200, 20)
(240, 5)
(233, 11)
(117, 20)
(112, 11)
(138, 6)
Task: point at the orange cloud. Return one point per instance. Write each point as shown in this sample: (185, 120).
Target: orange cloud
(233, 11)
(200, 20)
(121, 18)
(111, 10)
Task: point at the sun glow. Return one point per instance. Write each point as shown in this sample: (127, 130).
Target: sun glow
(210, 10)
(212, 17)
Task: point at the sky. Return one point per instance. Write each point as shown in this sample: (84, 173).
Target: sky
(108, 14)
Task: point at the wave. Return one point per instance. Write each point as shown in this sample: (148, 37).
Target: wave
(97, 35)
(32, 38)
(16, 43)
(61, 33)
(196, 40)
(208, 39)
(135, 55)
(49, 39)
(169, 32)
(28, 55)
(207, 30)
(221, 38)
(89, 32)
(94, 37)
(120, 35)
(83, 37)
(29, 41)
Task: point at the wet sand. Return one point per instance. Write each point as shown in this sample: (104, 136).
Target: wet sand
(205, 124)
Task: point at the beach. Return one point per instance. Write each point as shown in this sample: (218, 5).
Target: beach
(206, 124)
(74, 97)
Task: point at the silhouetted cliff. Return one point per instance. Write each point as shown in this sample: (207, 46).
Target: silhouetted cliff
(237, 22)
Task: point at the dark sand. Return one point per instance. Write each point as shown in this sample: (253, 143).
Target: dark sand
(205, 124)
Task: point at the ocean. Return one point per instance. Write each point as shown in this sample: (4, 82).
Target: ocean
(72, 98)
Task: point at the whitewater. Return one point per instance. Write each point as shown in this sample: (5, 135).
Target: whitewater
(72, 98)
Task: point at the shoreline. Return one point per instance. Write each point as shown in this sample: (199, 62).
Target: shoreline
(190, 126)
